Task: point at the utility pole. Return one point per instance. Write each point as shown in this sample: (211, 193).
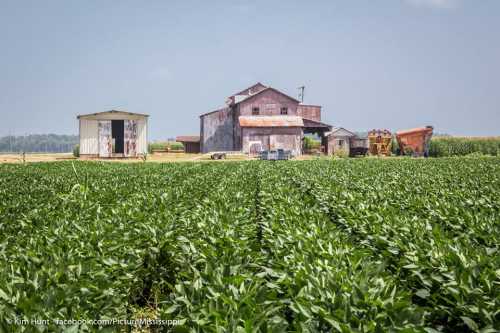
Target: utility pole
(301, 93)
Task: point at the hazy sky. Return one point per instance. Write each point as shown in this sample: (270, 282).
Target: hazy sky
(371, 64)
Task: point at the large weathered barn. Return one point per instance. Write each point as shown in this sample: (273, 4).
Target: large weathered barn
(113, 134)
(260, 118)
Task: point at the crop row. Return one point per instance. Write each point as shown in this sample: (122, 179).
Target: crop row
(350, 245)
(458, 146)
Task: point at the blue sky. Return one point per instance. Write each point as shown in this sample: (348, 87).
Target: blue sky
(371, 64)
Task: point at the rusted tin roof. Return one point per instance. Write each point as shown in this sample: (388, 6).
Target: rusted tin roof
(315, 124)
(415, 130)
(188, 138)
(271, 121)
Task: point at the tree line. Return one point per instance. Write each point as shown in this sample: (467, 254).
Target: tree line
(38, 143)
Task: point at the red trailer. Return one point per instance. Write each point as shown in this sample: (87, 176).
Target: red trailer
(415, 141)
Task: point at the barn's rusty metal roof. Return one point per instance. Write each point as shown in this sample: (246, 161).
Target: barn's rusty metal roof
(315, 124)
(415, 130)
(271, 121)
(113, 112)
(188, 138)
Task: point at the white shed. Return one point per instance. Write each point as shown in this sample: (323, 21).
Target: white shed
(113, 134)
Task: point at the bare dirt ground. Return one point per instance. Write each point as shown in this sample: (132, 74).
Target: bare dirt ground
(18, 158)
(158, 157)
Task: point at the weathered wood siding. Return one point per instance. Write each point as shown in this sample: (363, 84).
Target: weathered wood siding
(334, 144)
(269, 103)
(191, 147)
(217, 131)
(288, 138)
(312, 112)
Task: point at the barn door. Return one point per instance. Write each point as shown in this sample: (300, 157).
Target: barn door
(255, 147)
(273, 142)
(130, 139)
(104, 138)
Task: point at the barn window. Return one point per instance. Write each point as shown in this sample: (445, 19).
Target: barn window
(284, 110)
(341, 143)
(255, 111)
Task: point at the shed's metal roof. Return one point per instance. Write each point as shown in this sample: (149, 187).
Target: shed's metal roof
(188, 138)
(113, 112)
(337, 129)
(271, 121)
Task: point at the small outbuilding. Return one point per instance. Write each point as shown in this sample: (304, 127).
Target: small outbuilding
(191, 143)
(338, 140)
(113, 134)
(359, 145)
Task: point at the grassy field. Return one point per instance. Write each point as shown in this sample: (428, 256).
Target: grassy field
(347, 245)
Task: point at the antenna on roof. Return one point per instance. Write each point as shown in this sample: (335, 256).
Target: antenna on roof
(301, 93)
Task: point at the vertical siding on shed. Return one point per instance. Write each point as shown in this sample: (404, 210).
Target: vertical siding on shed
(142, 136)
(88, 137)
(334, 145)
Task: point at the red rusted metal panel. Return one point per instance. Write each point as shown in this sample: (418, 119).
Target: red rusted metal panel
(415, 141)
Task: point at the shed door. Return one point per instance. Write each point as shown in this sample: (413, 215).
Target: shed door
(130, 138)
(104, 138)
(117, 135)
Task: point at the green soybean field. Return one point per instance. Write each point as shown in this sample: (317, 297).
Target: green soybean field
(346, 245)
